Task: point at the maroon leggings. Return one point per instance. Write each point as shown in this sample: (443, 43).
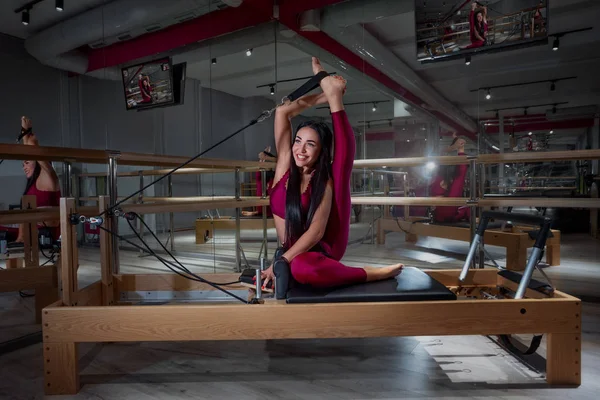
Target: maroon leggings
(315, 268)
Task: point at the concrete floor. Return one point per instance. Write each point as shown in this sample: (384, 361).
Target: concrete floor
(448, 367)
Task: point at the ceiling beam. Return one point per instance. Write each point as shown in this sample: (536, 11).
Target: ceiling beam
(208, 26)
(335, 48)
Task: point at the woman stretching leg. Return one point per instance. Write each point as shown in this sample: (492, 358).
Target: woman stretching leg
(310, 198)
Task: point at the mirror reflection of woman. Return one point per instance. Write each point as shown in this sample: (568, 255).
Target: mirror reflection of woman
(478, 26)
(42, 182)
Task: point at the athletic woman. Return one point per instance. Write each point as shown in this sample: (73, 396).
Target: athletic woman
(42, 182)
(478, 26)
(310, 198)
(450, 182)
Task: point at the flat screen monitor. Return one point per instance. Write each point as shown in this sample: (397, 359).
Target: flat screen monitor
(448, 29)
(149, 84)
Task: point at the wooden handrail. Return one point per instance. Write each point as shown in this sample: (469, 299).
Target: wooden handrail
(39, 215)
(410, 161)
(190, 206)
(535, 156)
(201, 165)
(49, 153)
(160, 172)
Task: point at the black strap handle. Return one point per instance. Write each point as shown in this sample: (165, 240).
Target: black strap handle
(310, 85)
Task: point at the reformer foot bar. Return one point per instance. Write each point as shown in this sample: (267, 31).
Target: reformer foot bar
(538, 248)
(416, 303)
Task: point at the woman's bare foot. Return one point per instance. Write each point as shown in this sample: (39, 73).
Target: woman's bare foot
(380, 273)
(333, 85)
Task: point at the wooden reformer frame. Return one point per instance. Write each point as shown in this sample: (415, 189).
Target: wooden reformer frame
(93, 314)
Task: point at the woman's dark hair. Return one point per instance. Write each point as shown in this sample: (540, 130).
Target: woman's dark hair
(447, 172)
(31, 181)
(479, 26)
(295, 224)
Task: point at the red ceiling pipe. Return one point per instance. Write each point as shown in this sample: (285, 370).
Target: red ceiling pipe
(216, 23)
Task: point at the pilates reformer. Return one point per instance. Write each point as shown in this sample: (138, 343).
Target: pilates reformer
(441, 302)
(417, 303)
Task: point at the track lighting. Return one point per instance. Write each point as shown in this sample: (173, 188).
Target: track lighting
(551, 132)
(374, 107)
(555, 45)
(530, 133)
(25, 17)
(468, 60)
(249, 52)
(214, 61)
(60, 5)
(272, 90)
(488, 95)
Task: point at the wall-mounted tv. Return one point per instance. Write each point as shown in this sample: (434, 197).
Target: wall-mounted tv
(149, 84)
(448, 29)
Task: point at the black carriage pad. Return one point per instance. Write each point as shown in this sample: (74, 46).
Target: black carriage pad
(411, 285)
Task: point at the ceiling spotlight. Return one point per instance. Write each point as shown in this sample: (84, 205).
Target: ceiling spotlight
(272, 90)
(488, 95)
(430, 165)
(249, 52)
(530, 133)
(214, 61)
(59, 5)
(468, 60)
(374, 107)
(407, 140)
(555, 45)
(551, 132)
(25, 17)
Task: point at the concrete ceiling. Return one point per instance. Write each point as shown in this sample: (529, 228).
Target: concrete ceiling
(42, 16)
(240, 75)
